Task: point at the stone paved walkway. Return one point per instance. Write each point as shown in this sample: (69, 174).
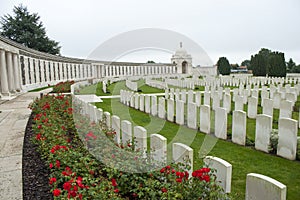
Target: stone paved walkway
(13, 120)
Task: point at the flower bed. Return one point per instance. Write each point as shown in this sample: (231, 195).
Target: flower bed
(86, 164)
(63, 87)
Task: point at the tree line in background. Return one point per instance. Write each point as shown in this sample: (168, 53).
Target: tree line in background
(26, 28)
(265, 62)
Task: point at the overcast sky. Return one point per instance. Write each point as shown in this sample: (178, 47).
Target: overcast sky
(235, 29)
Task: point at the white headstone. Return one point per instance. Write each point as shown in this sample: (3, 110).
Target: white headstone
(115, 124)
(221, 123)
(239, 127)
(192, 116)
(205, 119)
(252, 107)
(190, 96)
(277, 100)
(198, 98)
(147, 104)
(263, 132)
(183, 153)
(183, 95)
(223, 171)
(142, 102)
(170, 110)
(239, 103)
(216, 101)
(268, 107)
(136, 101)
(126, 129)
(107, 117)
(227, 102)
(287, 138)
(263, 187)
(286, 108)
(207, 98)
(161, 108)
(140, 136)
(153, 105)
(180, 112)
(158, 146)
(99, 114)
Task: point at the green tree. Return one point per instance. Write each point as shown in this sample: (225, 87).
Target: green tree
(150, 61)
(26, 28)
(290, 65)
(296, 69)
(277, 64)
(223, 66)
(259, 65)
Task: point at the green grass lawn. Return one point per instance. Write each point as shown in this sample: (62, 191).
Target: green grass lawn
(114, 89)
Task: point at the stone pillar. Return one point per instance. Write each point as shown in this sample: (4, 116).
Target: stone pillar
(26, 70)
(42, 65)
(17, 74)
(3, 74)
(47, 68)
(51, 70)
(69, 71)
(31, 69)
(10, 72)
(37, 71)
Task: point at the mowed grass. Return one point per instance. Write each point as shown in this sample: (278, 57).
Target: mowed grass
(114, 88)
(243, 159)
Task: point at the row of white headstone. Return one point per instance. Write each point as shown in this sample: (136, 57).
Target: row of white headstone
(127, 134)
(288, 128)
(185, 81)
(156, 83)
(257, 186)
(132, 85)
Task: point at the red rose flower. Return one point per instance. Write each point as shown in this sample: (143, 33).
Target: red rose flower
(67, 186)
(57, 164)
(114, 182)
(178, 180)
(116, 190)
(56, 192)
(162, 170)
(51, 165)
(52, 180)
(164, 190)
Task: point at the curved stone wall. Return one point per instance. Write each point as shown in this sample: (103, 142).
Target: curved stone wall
(23, 69)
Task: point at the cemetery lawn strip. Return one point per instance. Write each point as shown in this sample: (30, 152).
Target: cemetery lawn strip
(244, 160)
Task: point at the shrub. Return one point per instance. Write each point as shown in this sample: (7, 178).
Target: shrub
(63, 87)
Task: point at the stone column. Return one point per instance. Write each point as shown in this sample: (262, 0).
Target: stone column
(51, 71)
(26, 70)
(42, 66)
(10, 72)
(58, 71)
(47, 78)
(37, 71)
(3, 74)
(17, 73)
(31, 69)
